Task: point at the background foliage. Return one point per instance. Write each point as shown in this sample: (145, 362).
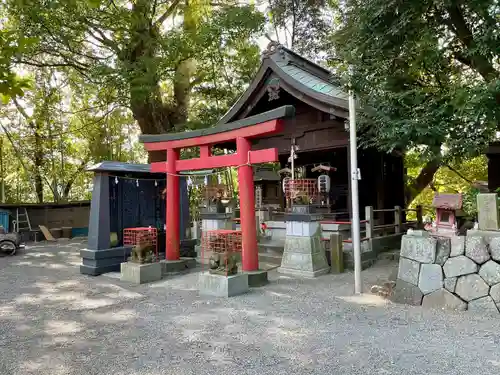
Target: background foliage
(81, 79)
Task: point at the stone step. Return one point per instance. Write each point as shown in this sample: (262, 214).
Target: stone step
(270, 259)
(389, 255)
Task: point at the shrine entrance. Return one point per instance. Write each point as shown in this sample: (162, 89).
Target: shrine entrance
(241, 133)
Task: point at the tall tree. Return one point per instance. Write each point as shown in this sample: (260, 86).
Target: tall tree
(155, 53)
(11, 44)
(302, 25)
(427, 75)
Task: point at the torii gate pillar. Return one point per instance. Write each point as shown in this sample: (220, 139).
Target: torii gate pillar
(250, 250)
(172, 251)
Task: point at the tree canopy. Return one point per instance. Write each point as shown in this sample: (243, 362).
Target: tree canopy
(80, 79)
(426, 73)
(155, 55)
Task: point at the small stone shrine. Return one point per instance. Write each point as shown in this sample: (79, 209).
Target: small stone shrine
(453, 272)
(448, 209)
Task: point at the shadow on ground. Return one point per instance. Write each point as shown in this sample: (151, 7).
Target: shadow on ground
(55, 321)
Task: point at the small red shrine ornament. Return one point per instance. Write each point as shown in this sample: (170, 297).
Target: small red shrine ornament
(448, 207)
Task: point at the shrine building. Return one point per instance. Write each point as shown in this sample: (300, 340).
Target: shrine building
(291, 102)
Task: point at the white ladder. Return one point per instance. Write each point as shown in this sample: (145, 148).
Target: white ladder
(22, 220)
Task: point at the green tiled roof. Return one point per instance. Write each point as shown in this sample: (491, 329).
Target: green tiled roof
(303, 78)
(311, 81)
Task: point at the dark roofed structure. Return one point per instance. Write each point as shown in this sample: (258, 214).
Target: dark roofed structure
(447, 201)
(312, 109)
(283, 69)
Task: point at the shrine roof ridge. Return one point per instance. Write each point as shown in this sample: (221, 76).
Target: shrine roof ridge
(447, 201)
(281, 112)
(118, 166)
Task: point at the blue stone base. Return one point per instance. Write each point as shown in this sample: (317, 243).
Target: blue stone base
(97, 262)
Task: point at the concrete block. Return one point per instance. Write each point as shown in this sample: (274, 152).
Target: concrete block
(483, 305)
(443, 250)
(419, 248)
(430, 278)
(257, 278)
(301, 228)
(408, 270)
(490, 272)
(495, 293)
(450, 283)
(476, 249)
(495, 248)
(223, 286)
(407, 293)
(459, 266)
(457, 246)
(471, 287)
(442, 299)
(140, 273)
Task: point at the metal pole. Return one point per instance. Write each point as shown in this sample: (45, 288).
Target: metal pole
(355, 176)
(1, 169)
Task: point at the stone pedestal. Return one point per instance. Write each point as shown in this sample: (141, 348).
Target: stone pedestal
(304, 255)
(172, 267)
(257, 278)
(97, 262)
(140, 273)
(187, 248)
(214, 221)
(223, 286)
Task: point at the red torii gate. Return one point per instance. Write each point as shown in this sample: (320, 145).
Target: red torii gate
(242, 132)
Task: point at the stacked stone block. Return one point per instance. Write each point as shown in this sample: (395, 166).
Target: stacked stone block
(459, 273)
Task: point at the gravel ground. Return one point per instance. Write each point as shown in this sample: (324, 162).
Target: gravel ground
(55, 321)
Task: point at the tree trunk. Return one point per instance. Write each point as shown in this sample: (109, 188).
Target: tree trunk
(38, 162)
(151, 113)
(424, 178)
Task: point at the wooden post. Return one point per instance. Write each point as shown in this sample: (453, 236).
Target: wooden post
(420, 220)
(397, 219)
(369, 221)
(336, 253)
(369, 226)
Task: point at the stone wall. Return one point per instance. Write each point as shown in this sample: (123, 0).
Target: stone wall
(459, 273)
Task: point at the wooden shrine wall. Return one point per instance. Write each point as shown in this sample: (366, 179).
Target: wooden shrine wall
(312, 130)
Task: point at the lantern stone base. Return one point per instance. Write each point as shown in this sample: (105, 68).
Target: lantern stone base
(223, 286)
(257, 278)
(140, 273)
(304, 256)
